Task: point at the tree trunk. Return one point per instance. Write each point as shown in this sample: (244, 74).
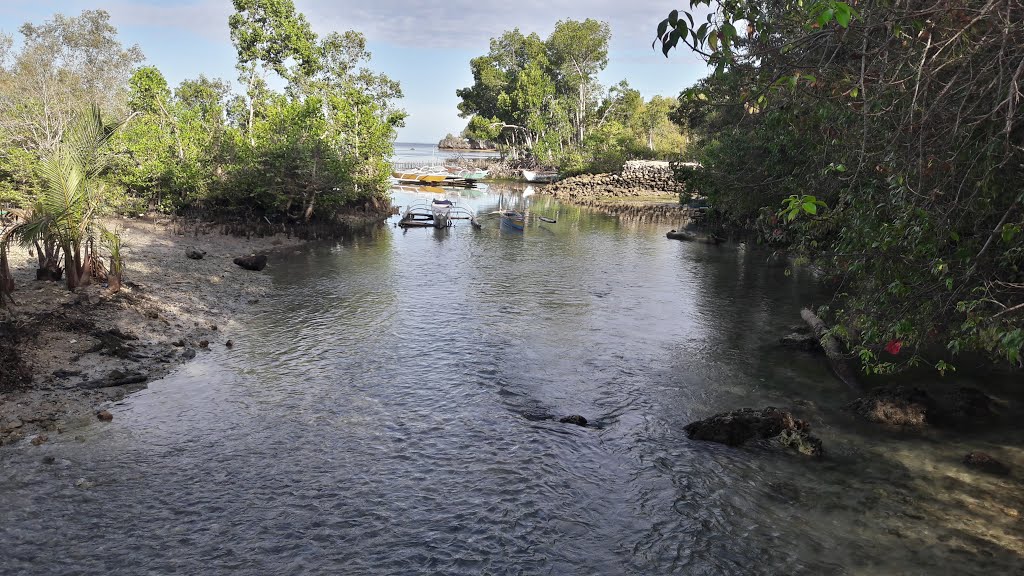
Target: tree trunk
(114, 277)
(309, 207)
(252, 113)
(6, 280)
(71, 267)
(48, 256)
(836, 359)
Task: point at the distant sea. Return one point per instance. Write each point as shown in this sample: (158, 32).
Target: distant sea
(429, 154)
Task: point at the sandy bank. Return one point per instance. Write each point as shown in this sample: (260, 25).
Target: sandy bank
(85, 349)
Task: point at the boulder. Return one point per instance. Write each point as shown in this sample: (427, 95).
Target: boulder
(194, 254)
(986, 463)
(255, 262)
(737, 427)
(898, 406)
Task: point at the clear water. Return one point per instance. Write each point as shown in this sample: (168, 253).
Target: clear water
(392, 409)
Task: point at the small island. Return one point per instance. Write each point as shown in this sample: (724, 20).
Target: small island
(453, 142)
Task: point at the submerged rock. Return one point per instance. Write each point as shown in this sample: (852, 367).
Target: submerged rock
(255, 262)
(986, 463)
(899, 406)
(965, 407)
(801, 341)
(574, 419)
(104, 415)
(912, 406)
(736, 427)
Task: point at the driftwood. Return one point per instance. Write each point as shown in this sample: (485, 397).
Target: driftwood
(836, 359)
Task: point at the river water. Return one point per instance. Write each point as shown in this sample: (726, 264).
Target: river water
(393, 407)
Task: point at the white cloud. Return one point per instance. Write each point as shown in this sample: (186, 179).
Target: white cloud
(470, 24)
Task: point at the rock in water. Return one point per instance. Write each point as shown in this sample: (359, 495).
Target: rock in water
(985, 463)
(104, 415)
(797, 341)
(574, 419)
(255, 262)
(739, 426)
(899, 406)
(194, 254)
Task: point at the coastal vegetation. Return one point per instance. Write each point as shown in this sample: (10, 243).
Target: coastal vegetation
(317, 145)
(541, 102)
(884, 142)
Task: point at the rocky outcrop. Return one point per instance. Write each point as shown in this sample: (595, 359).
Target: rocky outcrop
(739, 426)
(451, 142)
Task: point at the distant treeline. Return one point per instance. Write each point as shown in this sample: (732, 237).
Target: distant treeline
(540, 101)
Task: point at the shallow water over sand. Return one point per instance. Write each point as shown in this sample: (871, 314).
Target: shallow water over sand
(393, 409)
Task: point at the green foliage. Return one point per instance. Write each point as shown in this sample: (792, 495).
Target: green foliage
(878, 140)
(540, 101)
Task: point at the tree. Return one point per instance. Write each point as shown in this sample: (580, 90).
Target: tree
(578, 52)
(885, 140)
(61, 64)
(268, 34)
(73, 196)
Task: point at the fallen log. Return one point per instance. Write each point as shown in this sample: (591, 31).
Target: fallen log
(837, 360)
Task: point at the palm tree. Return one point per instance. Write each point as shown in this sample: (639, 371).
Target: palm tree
(71, 196)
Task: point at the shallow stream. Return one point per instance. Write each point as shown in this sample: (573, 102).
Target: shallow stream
(393, 409)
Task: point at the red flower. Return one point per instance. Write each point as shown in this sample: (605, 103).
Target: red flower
(893, 347)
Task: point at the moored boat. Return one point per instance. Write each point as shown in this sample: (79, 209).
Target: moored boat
(540, 177)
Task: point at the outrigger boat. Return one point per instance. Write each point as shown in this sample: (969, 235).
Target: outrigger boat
(437, 214)
(420, 176)
(540, 177)
(516, 219)
(466, 174)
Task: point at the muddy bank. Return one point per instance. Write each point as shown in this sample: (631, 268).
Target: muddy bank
(67, 354)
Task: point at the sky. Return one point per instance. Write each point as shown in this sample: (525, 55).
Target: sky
(424, 45)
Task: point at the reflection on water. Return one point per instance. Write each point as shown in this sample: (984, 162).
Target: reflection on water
(393, 409)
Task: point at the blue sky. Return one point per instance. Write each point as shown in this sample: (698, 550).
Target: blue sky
(424, 45)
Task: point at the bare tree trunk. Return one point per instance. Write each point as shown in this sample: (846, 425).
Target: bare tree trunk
(252, 113)
(309, 207)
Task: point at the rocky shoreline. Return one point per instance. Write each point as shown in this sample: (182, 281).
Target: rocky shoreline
(644, 190)
(75, 352)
